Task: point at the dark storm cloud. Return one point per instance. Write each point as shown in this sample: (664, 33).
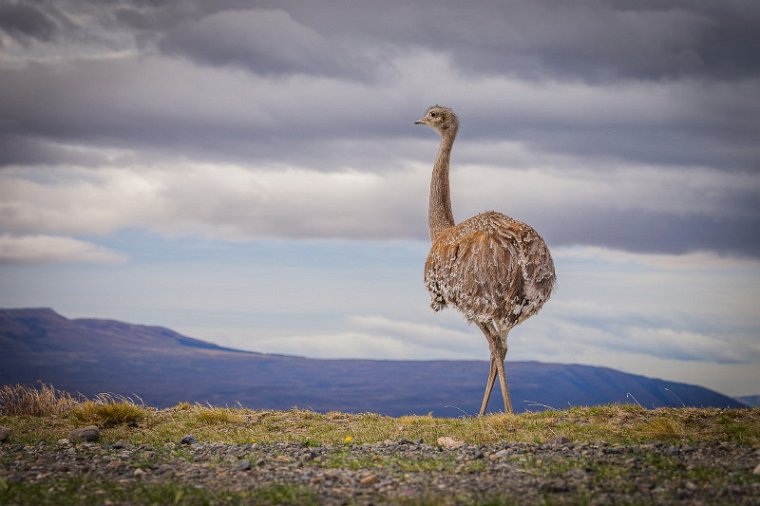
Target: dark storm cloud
(586, 39)
(25, 22)
(605, 40)
(263, 41)
(592, 39)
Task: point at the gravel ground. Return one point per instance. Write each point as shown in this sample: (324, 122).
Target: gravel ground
(405, 472)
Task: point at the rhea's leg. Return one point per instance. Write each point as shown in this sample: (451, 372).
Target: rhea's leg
(491, 338)
(502, 354)
(489, 385)
(501, 333)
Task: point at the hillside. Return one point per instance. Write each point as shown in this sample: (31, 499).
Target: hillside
(749, 400)
(163, 367)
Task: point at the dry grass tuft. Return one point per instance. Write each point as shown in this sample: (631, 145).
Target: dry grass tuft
(215, 416)
(107, 411)
(40, 400)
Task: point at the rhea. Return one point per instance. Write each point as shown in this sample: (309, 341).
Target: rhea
(494, 269)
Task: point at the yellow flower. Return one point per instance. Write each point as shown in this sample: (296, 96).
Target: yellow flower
(347, 439)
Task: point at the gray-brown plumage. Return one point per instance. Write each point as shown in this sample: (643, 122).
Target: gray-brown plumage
(494, 269)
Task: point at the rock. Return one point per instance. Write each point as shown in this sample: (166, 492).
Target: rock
(4, 433)
(188, 440)
(756, 470)
(449, 442)
(244, 465)
(370, 479)
(63, 441)
(114, 464)
(500, 454)
(138, 472)
(90, 434)
(554, 486)
(559, 441)
(120, 445)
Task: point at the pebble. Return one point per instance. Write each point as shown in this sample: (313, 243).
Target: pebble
(244, 465)
(756, 470)
(5, 432)
(500, 454)
(120, 444)
(449, 442)
(188, 440)
(90, 434)
(370, 479)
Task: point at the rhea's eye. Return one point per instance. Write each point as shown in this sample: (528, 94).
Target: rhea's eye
(433, 114)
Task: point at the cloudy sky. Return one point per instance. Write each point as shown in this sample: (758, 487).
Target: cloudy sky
(249, 173)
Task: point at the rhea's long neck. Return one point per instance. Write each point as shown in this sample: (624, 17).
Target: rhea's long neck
(440, 215)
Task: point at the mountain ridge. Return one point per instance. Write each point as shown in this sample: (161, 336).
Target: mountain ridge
(163, 367)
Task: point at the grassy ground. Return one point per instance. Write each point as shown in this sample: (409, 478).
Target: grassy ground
(47, 415)
(619, 424)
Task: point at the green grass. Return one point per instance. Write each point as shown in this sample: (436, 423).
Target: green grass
(617, 424)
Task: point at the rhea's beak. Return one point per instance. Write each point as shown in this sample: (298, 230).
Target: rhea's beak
(419, 122)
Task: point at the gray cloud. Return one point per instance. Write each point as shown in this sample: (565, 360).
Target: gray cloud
(26, 22)
(539, 86)
(588, 39)
(265, 41)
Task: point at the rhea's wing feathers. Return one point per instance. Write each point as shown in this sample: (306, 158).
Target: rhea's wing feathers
(491, 268)
(475, 268)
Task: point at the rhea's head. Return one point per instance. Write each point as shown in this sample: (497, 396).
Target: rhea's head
(441, 119)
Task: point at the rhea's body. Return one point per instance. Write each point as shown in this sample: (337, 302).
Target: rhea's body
(496, 270)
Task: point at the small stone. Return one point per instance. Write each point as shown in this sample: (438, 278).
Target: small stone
(63, 441)
(244, 465)
(138, 472)
(4, 433)
(554, 486)
(500, 454)
(690, 485)
(188, 440)
(756, 470)
(90, 434)
(449, 442)
(370, 479)
(558, 441)
(120, 444)
(114, 464)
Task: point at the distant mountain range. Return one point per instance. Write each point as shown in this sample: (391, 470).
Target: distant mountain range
(162, 367)
(749, 400)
